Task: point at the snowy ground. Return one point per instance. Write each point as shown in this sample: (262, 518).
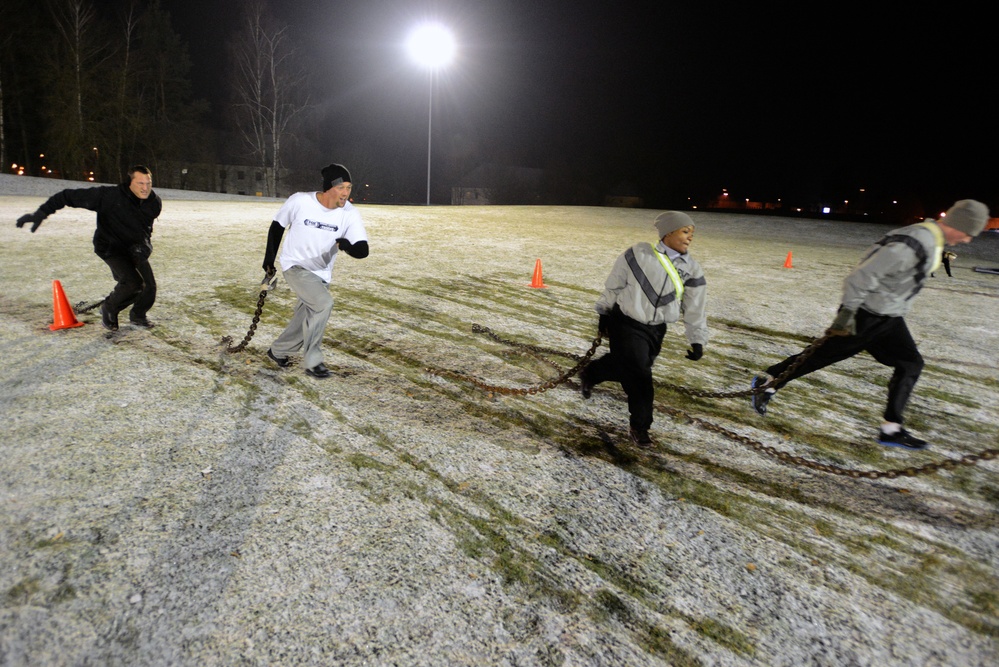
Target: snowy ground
(169, 503)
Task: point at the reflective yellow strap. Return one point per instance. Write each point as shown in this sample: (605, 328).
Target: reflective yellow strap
(671, 271)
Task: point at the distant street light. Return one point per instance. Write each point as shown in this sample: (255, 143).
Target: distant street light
(432, 46)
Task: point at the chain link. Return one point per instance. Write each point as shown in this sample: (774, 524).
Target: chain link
(782, 456)
(227, 340)
(84, 307)
(802, 358)
(582, 360)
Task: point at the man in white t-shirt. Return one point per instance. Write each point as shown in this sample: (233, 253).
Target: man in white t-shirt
(319, 224)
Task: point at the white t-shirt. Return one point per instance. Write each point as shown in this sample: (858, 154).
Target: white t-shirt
(313, 231)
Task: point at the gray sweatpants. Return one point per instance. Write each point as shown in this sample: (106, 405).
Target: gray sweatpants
(308, 323)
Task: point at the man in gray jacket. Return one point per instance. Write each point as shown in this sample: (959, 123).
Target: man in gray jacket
(877, 295)
(648, 288)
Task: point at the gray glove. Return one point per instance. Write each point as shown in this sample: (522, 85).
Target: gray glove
(844, 324)
(34, 218)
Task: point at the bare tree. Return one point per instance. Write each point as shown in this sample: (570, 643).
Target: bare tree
(78, 57)
(124, 104)
(269, 89)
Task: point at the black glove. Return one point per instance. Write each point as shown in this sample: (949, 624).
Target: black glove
(34, 218)
(141, 251)
(343, 244)
(603, 325)
(696, 353)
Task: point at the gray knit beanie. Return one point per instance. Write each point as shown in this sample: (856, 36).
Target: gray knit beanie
(968, 216)
(670, 221)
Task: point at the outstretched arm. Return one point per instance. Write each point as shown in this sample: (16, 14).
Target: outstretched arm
(274, 236)
(357, 250)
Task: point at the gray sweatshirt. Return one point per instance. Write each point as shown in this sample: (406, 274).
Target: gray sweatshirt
(625, 289)
(894, 270)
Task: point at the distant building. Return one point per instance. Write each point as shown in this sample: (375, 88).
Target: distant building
(498, 184)
(726, 202)
(624, 195)
(236, 179)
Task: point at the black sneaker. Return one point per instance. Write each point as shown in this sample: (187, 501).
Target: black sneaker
(902, 439)
(318, 371)
(141, 322)
(761, 399)
(108, 321)
(641, 438)
(280, 361)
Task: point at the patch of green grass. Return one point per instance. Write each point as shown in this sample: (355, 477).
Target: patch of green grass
(765, 332)
(985, 602)
(361, 461)
(723, 634)
(657, 641)
(607, 605)
(947, 397)
(824, 528)
(57, 542)
(23, 591)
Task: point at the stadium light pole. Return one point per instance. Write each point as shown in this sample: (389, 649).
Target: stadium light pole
(432, 46)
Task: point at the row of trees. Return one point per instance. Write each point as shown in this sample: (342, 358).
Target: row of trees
(86, 90)
(89, 87)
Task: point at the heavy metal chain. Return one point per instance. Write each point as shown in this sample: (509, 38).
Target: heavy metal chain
(84, 307)
(791, 459)
(269, 283)
(582, 360)
(227, 340)
(802, 357)
(783, 457)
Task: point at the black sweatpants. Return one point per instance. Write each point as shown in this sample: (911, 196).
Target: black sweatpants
(885, 338)
(136, 285)
(633, 349)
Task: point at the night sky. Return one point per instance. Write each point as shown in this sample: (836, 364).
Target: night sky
(768, 100)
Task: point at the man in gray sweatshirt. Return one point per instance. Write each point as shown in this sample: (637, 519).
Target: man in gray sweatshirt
(649, 287)
(877, 295)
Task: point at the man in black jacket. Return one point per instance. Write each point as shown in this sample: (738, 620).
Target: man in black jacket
(125, 215)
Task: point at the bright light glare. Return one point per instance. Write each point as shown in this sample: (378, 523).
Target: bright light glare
(431, 45)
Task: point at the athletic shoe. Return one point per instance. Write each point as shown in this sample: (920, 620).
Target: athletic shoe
(319, 371)
(641, 438)
(902, 439)
(280, 361)
(141, 322)
(108, 321)
(761, 399)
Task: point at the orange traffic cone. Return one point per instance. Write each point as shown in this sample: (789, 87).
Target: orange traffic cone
(62, 312)
(537, 281)
(787, 262)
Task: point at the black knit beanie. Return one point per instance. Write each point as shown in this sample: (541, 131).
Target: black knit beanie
(335, 174)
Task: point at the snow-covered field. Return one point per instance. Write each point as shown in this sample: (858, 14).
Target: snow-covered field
(168, 503)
